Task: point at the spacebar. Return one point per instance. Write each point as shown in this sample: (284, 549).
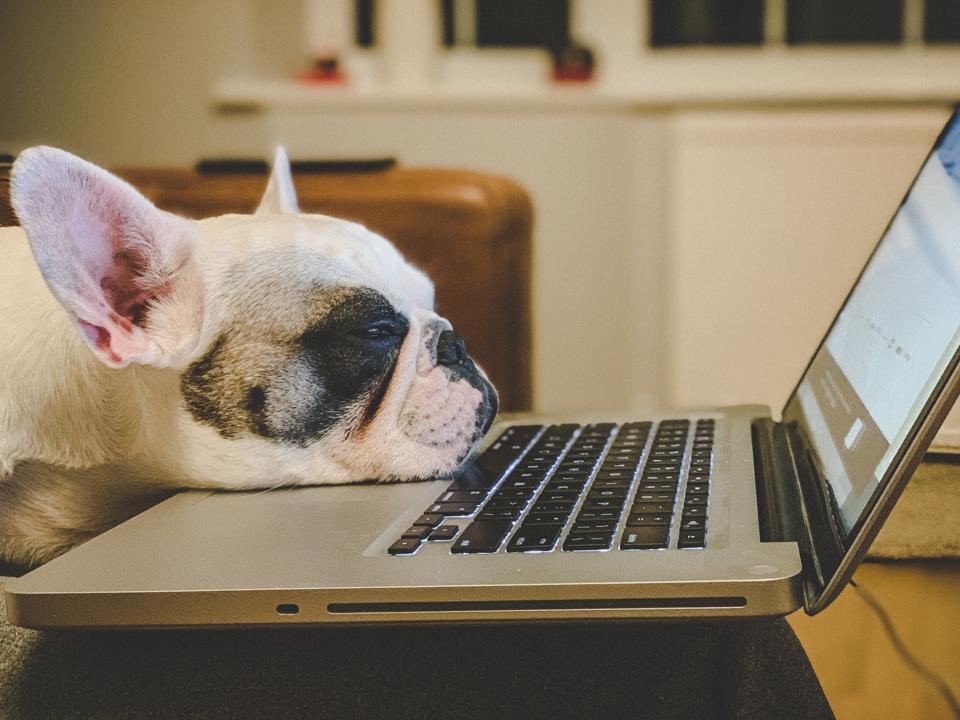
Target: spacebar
(482, 537)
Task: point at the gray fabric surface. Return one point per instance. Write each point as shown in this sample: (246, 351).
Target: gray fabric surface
(655, 670)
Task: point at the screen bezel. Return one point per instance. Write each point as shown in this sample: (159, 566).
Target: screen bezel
(921, 433)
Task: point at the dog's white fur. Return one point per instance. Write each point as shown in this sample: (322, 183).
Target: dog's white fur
(88, 437)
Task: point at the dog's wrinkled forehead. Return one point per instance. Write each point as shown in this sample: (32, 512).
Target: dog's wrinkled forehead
(274, 265)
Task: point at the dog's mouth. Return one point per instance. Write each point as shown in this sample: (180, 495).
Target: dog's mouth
(449, 409)
(490, 402)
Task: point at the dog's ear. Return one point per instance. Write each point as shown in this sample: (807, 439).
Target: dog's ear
(280, 197)
(124, 270)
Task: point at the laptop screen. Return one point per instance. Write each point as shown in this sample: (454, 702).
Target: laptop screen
(892, 342)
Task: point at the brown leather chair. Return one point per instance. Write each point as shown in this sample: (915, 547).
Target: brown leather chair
(469, 231)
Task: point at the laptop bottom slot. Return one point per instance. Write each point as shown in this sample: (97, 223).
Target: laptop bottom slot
(513, 605)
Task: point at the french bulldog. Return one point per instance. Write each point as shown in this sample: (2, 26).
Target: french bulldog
(142, 353)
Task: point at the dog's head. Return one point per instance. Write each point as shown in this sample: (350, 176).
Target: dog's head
(304, 348)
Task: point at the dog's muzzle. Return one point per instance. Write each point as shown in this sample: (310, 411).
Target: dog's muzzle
(451, 353)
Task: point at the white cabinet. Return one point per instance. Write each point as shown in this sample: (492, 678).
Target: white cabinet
(771, 215)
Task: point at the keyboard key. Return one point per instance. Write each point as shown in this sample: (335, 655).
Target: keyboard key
(539, 456)
(663, 464)
(692, 539)
(661, 486)
(647, 497)
(668, 445)
(604, 493)
(482, 537)
(636, 519)
(623, 475)
(598, 514)
(588, 526)
(694, 511)
(501, 503)
(624, 455)
(586, 453)
(567, 485)
(695, 500)
(488, 515)
(546, 518)
(462, 496)
(576, 474)
(522, 430)
(476, 476)
(597, 428)
(649, 537)
(655, 507)
(534, 537)
(524, 478)
(444, 532)
(562, 430)
(558, 496)
(576, 463)
(603, 504)
(554, 506)
(594, 541)
(692, 523)
(514, 492)
(404, 546)
(627, 465)
(697, 488)
(615, 483)
(661, 475)
(428, 519)
(417, 532)
(453, 509)
(554, 447)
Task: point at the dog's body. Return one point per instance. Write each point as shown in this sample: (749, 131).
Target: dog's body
(237, 352)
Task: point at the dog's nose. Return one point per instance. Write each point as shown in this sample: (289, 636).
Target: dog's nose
(451, 350)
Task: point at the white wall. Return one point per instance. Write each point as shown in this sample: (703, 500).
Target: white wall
(129, 82)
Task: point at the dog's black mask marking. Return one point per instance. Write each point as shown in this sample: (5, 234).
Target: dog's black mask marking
(295, 388)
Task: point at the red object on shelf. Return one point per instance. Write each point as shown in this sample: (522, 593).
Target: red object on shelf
(573, 63)
(325, 71)
(572, 74)
(323, 78)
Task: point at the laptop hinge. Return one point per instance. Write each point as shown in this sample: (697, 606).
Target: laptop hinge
(791, 501)
(778, 503)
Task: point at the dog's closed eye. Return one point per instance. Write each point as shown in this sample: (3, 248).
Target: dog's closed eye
(381, 329)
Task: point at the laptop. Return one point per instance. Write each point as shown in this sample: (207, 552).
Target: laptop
(722, 513)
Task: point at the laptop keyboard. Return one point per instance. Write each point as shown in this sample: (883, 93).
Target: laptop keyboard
(574, 488)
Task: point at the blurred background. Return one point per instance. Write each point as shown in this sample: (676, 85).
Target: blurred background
(704, 173)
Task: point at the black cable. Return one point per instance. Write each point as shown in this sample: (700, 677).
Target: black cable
(918, 667)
